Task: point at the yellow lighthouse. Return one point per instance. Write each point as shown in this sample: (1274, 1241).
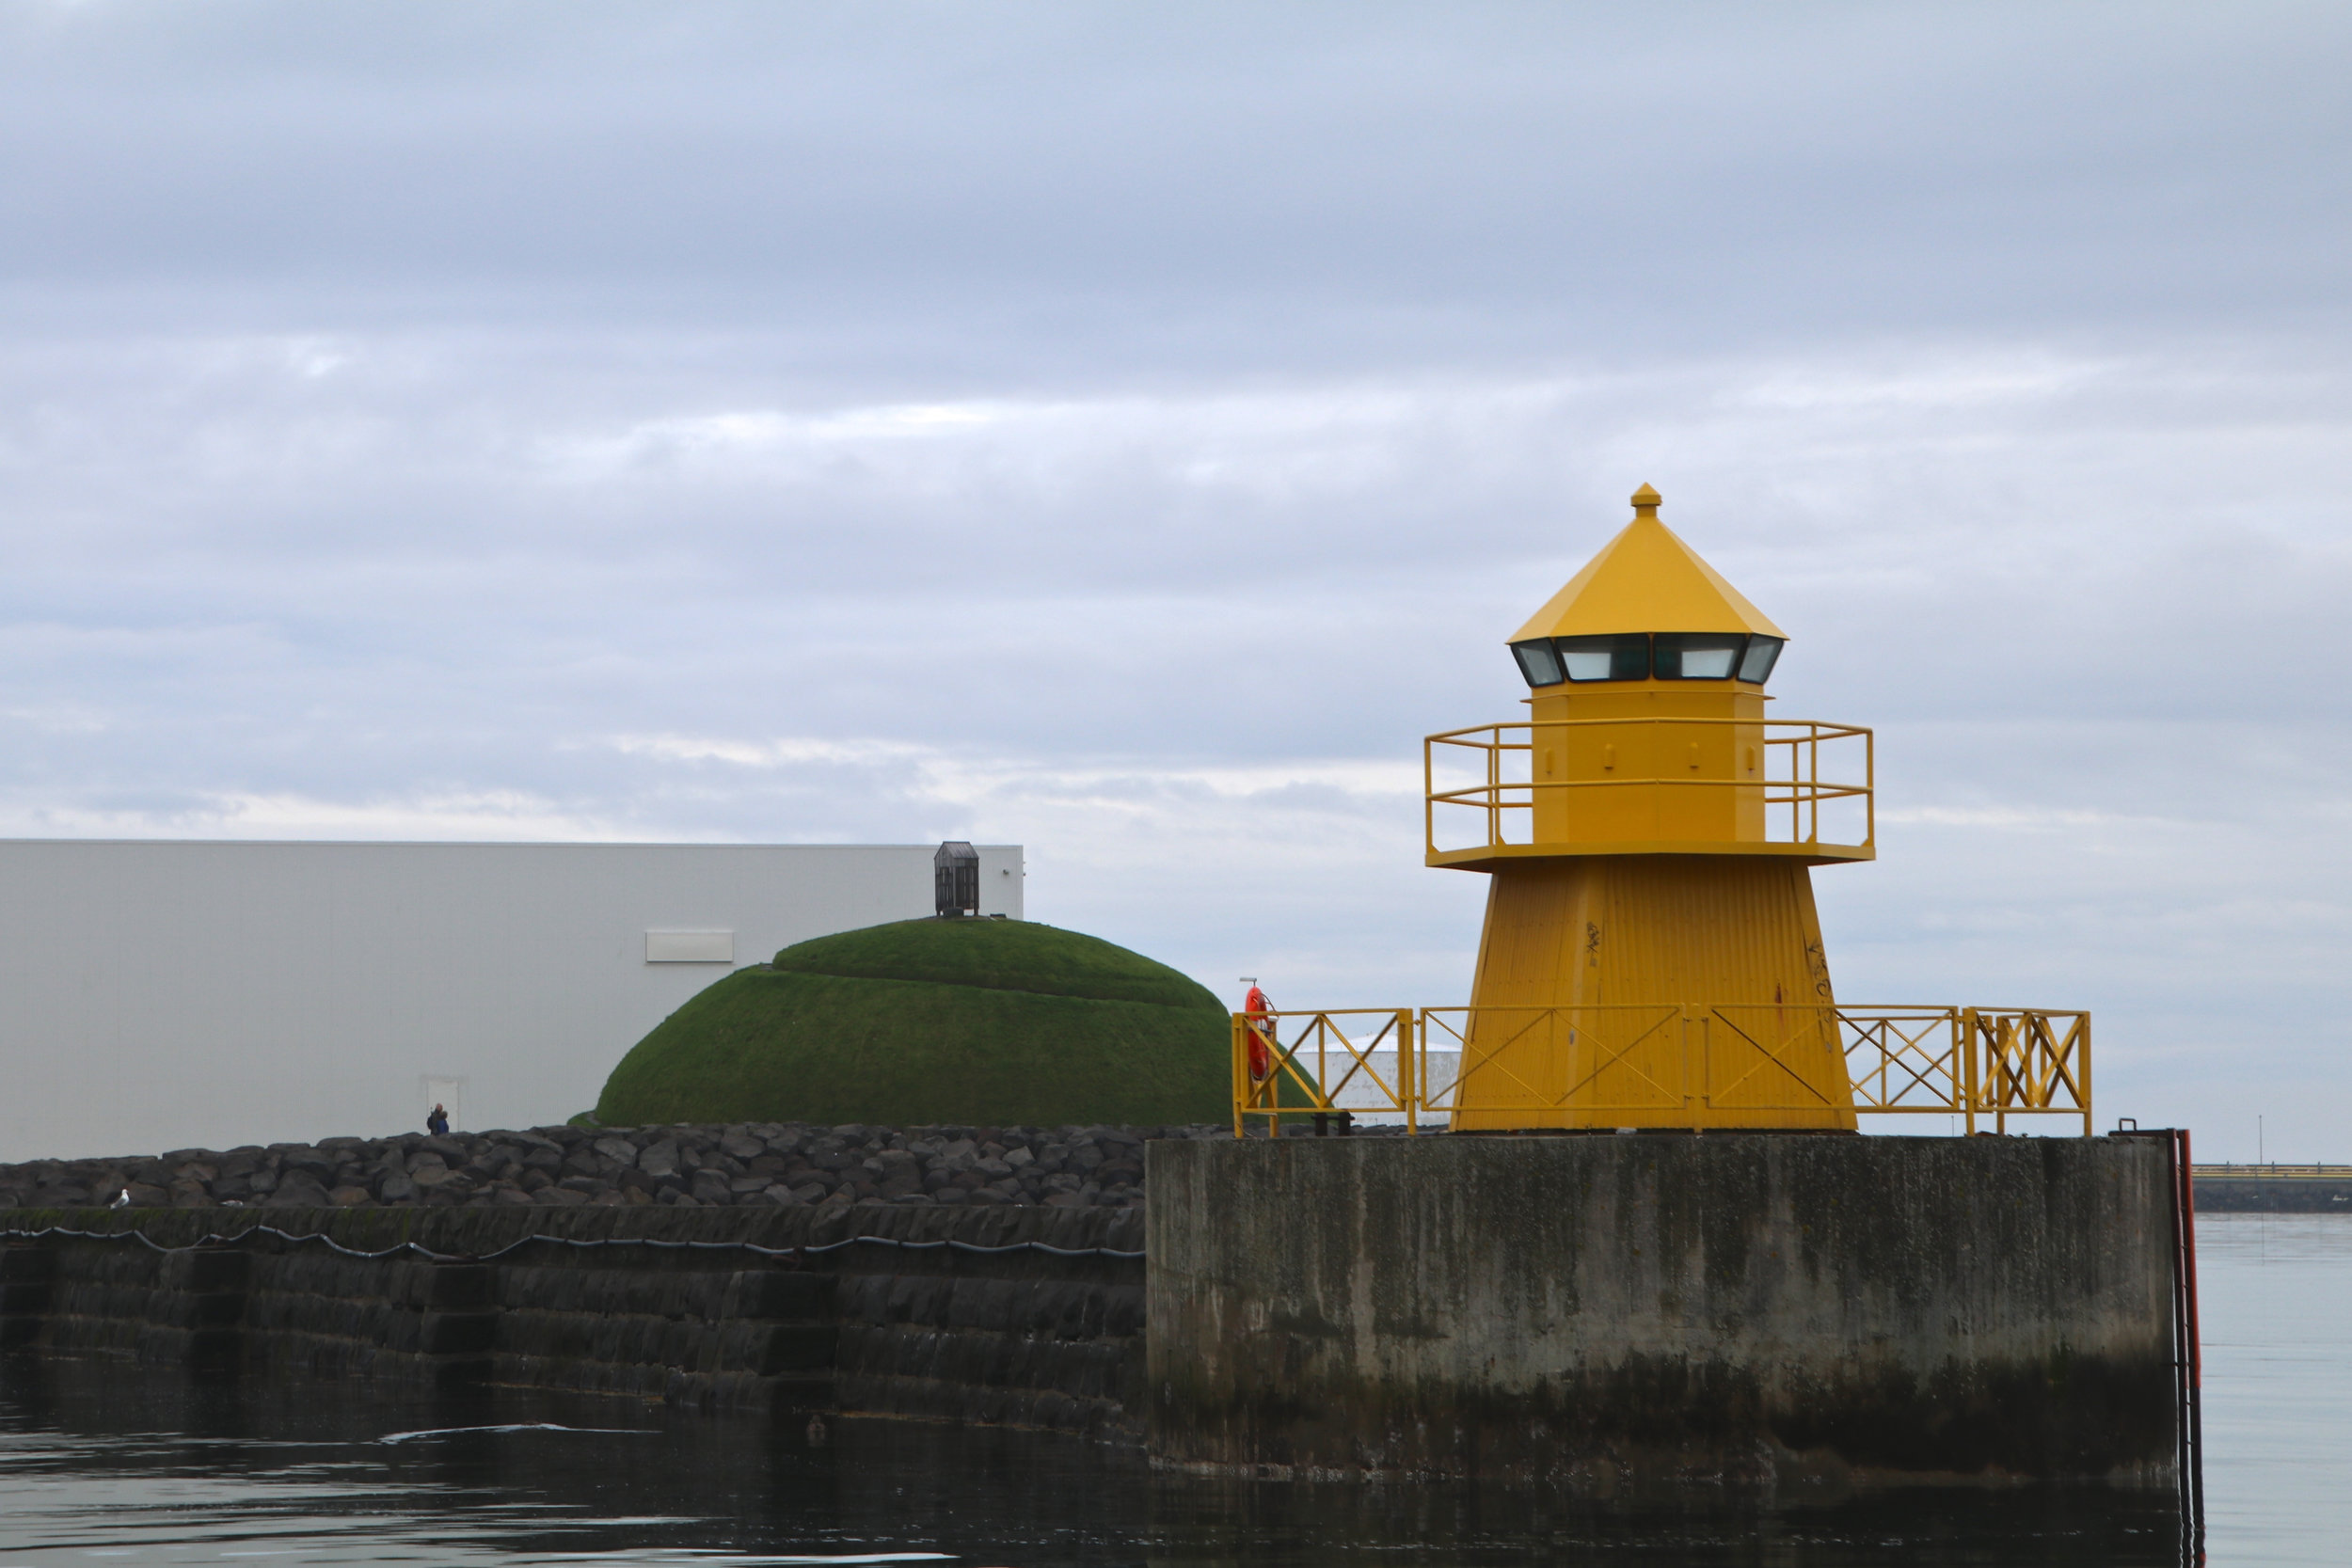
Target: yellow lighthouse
(1652, 957)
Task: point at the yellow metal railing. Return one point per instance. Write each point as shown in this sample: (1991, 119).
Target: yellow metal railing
(1666, 1063)
(1330, 1063)
(1628, 1059)
(1784, 789)
(2028, 1061)
(2273, 1173)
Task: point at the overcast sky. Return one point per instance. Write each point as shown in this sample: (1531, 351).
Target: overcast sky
(1124, 430)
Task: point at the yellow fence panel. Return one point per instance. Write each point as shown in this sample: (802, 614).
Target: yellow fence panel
(1322, 1063)
(1596, 1058)
(1907, 1059)
(2032, 1061)
(1702, 1062)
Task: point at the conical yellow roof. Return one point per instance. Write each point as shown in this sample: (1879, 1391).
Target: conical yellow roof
(1645, 579)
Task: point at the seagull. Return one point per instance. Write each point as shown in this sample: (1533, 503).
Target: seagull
(122, 1199)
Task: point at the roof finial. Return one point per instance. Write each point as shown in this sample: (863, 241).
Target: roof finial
(1646, 503)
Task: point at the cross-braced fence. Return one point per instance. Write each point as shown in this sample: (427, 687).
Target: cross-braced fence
(1662, 1063)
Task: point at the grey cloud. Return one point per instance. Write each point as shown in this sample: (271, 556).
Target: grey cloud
(1127, 432)
(935, 188)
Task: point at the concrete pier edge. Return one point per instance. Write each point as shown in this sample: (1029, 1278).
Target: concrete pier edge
(1609, 1311)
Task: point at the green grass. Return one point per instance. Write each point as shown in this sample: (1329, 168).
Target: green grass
(996, 1021)
(996, 955)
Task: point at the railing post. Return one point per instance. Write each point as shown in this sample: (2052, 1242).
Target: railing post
(1429, 794)
(1813, 782)
(1494, 787)
(1274, 1089)
(1239, 1069)
(1405, 1047)
(1693, 1078)
(1796, 811)
(1965, 1043)
(2086, 1078)
(1871, 788)
(2004, 1075)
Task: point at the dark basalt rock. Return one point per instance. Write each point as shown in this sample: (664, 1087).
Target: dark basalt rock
(778, 1164)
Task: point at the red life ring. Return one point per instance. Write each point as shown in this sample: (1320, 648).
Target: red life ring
(1262, 1036)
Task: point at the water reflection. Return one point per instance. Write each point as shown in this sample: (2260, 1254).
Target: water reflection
(101, 1462)
(2278, 1386)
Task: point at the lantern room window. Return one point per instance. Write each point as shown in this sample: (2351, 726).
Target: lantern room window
(1619, 656)
(1697, 656)
(1756, 664)
(1667, 656)
(1537, 662)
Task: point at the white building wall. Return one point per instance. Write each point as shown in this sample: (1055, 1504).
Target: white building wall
(159, 995)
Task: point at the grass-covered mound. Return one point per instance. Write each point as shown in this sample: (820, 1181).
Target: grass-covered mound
(936, 1020)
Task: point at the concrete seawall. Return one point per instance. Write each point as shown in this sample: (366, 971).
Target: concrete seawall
(1021, 1317)
(1611, 1310)
(1603, 1312)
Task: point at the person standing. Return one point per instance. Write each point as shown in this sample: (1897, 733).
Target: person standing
(438, 1123)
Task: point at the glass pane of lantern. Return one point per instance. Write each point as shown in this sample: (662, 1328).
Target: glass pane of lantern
(1537, 662)
(1698, 655)
(1619, 656)
(1757, 665)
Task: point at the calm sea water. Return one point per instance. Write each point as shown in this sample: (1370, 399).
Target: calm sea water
(104, 1463)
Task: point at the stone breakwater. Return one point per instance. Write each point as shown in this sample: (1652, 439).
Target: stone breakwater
(744, 1165)
(1019, 1315)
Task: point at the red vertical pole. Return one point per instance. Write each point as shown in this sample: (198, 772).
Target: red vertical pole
(2195, 1479)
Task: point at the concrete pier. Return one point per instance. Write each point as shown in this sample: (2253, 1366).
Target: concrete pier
(1611, 1310)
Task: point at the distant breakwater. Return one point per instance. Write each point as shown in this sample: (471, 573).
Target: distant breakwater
(757, 1165)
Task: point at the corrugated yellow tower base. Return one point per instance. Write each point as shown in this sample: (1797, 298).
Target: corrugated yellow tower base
(1653, 990)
